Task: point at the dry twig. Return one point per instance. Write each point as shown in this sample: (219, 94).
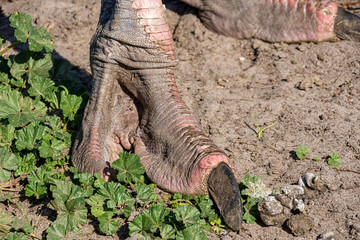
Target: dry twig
(6, 185)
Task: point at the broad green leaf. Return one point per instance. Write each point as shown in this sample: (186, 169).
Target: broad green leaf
(20, 225)
(28, 136)
(74, 217)
(119, 197)
(74, 171)
(38, 190)
(248, 217)
(145, 193)
(86, 181)
(141, 224)
(16, 236)
(40, 66)
(7, 134)
(26, 164)
(108, 225)
(70, 104)
(4, 175)
(255, 188)
(51, 147)
(66, 191)
(167, 231)
(4, 78)
(53, 100)
(218, 224)
(5, 222)
(302, 152)
(20, 110)
(41, 87)
(69, 202)
(5, 89)
(157, 215)
(56, 231)
(96, 202)
(250, 211)
(54, 122)
(112, 190)
(193, 232)
(39, 175)
(6, 197)
(187, 215)
(129, 167)
(34, 65)
(8, 162)
(36, 186)
(207, 209)
(99, 181)
(17, 71)
(334, 160)
(177, 196)
(59, 176)
(17, 83)
(85, 178)
(39, 39)
(22, 24)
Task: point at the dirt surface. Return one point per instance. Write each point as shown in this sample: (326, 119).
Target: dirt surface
(312, 89)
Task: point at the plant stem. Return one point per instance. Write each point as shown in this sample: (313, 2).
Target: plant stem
(182, 200)
(9, 190)
(9, 47)
(23, 211)
(257, 125)
(263, 129)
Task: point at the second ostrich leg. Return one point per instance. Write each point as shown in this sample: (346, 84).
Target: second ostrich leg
(278, 20)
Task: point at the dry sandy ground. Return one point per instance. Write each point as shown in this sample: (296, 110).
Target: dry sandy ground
(313, 89)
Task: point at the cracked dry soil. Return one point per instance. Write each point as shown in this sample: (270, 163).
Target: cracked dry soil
(313, 89)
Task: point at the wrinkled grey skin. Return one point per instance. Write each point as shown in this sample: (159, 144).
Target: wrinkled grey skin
(135, 104)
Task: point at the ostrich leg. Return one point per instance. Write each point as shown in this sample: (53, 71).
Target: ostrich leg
(135, 104)
(278, 20)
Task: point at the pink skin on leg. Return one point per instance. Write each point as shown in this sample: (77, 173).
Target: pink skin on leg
(326, 15)
(151, 16)
(205, 166)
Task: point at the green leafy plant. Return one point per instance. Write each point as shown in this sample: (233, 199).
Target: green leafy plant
(260, 130)
(129, 167)
(38, 118)
(14, 227)
(8, 163)
(302, 152)
(253, 190)
(334, 160)
(36, 109)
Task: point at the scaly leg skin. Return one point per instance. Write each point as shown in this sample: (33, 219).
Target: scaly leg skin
(135, 104)
(279, 20)
(110, 118)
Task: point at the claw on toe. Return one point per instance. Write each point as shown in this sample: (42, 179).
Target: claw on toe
(225, 191)
(347, 25)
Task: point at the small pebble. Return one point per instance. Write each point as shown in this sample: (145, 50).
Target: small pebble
(292, 190)
(327, 236)
(321, 56)
(300, 224)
